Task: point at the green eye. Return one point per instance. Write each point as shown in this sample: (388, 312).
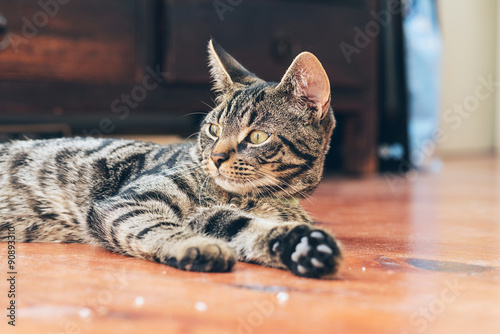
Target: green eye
(215, 130)
(258, 137)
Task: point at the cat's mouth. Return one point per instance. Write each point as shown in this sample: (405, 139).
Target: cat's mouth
(235, 183)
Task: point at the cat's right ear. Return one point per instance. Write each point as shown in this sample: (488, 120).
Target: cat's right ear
(226, 72)
(307, 81)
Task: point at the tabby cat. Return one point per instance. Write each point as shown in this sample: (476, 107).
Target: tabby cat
(200, 206)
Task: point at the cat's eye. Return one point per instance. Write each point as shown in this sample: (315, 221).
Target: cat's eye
(258, 137)
(215, 130)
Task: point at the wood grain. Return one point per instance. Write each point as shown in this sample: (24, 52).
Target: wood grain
(421, 256)
(77, 41)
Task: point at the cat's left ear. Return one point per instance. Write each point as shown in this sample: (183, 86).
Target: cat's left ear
(226, 72)
(307, 81)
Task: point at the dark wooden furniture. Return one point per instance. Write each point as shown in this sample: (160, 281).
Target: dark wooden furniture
(89, 64)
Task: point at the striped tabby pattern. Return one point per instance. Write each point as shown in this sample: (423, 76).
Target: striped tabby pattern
(195, 206)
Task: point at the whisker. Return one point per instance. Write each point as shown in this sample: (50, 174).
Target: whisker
(282, 189)
(256, 187)
(275, 181)
(191, 135)
(197, 112)
(201, 189)
(289, 185)
(213, 101)
(278, 183)
(263, 191)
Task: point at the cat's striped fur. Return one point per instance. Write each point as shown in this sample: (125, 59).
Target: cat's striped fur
(195, 206)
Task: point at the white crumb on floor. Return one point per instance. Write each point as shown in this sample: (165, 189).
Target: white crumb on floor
(84, 313)
(282, 297)
(139, 301)
(200, 306)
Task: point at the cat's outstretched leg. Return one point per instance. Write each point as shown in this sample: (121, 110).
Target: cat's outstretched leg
(152, 230)
(300, 247)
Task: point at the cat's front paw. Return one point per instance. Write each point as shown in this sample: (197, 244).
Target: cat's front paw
(310, 252)
(210, 257)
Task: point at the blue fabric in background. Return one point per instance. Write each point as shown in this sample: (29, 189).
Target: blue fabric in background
(423, 46)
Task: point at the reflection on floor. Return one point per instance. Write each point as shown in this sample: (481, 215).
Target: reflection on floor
(422, 256)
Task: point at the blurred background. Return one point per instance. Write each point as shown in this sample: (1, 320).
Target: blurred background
(412, 81)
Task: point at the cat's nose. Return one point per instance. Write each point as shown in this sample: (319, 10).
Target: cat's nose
(219, 158)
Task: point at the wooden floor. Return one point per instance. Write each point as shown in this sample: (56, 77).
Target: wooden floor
(422, 255)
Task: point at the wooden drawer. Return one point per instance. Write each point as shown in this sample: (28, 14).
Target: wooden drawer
(63, 40)
(265, 35)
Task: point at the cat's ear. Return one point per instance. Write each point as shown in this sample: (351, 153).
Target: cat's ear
(307, 81)
(226, 72)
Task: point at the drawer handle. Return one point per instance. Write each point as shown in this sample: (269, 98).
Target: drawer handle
(3, 24)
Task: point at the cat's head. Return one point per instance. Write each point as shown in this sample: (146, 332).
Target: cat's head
(264, 137)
